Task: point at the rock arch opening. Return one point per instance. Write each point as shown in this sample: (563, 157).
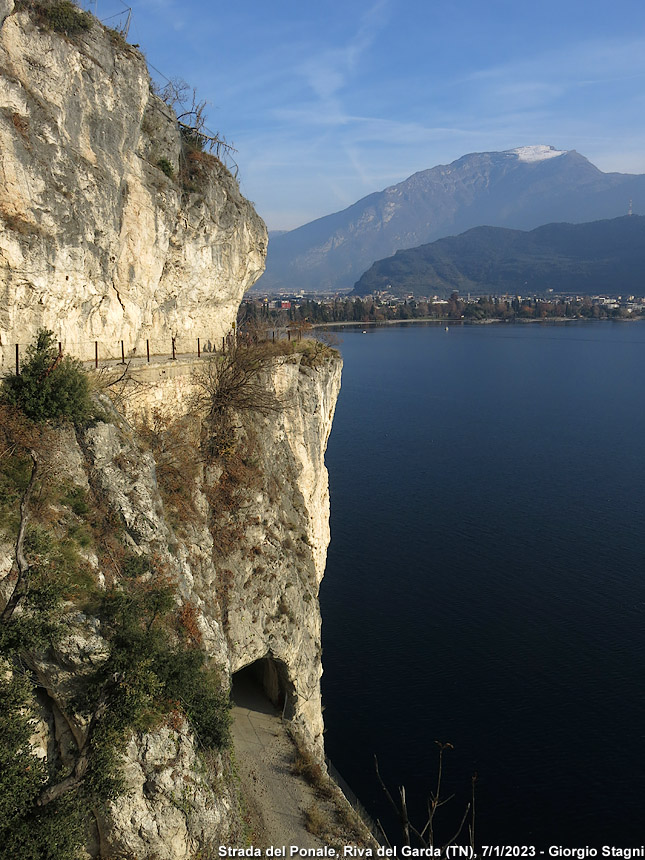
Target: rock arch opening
(265, 686)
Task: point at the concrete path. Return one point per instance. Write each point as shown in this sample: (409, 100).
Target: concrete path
(275, 797)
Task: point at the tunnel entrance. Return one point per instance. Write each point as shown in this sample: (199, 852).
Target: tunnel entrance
(264, 686)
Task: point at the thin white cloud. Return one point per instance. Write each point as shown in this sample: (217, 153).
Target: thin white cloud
(571, 65)
(327, 73)
(315, 132)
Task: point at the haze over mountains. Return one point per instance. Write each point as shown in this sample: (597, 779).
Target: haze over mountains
(601, 256)
(520, 188)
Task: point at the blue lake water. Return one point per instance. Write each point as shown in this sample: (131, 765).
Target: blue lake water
(485, 582)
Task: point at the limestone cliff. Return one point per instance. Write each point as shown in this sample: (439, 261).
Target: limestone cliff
(271, 598)
(244, 538)
(252, 550)
(97, 243)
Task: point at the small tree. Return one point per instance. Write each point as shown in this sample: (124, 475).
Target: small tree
(50, 387)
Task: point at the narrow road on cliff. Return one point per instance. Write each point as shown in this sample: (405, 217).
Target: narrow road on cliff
(275, 797)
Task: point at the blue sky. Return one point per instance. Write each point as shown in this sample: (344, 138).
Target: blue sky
(327, 102)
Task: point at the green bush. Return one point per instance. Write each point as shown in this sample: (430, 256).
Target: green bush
(145, 677)
(21, 773)
(76, 499)
(56, 574)
(49, 388)
(159, 673)
(187, 680)
(166, 167)
(65, 17)
(135, 566)
(14, 478)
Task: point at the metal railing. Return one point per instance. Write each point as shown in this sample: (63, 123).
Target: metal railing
(353, 801)
(146, 350)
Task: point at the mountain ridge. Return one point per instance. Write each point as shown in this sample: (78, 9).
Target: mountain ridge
(502, 189)
(599, 256)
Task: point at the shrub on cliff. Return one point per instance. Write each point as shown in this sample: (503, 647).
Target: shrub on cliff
(152, 671)
(65, 17)
(49, 387)
(61, 16)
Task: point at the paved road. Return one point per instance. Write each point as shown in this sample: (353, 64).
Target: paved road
(275, 797)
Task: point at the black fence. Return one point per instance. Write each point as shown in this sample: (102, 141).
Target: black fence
(148, 350)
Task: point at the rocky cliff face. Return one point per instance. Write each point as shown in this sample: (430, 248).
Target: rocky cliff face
(97, 242)
(253, 570)
(270, 600)
(244, 538)
(252, 549)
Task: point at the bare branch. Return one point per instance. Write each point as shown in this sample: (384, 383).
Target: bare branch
(426, 836)
(174, 93)
(401, 812)
(405, 821)
(471, 826)
(53, 792)
(124, 375)
(191, 117)
(459, 829)
(383, 833)
(233, 382)
(384, 786)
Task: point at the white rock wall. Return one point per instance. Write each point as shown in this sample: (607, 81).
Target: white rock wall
(258, 600)
(274, 571)
(96, 242)
(273, 605)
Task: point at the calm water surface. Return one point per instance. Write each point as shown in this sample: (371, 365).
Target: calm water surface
(485, 582)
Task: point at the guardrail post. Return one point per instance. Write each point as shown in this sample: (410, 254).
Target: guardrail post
(148, 350)
(17, 359)
(173, 349)
(96, 353)
(199, 353)
(60, 348)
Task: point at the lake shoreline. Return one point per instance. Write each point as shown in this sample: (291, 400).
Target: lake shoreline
(447, 321)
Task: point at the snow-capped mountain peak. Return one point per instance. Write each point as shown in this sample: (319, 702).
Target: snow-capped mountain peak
(539, 152)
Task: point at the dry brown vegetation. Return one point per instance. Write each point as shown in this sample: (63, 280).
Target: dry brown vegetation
(229, 385)
(330, 817)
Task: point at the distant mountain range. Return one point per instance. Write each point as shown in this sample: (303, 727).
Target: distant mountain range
(602, 256)
(520, 188)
